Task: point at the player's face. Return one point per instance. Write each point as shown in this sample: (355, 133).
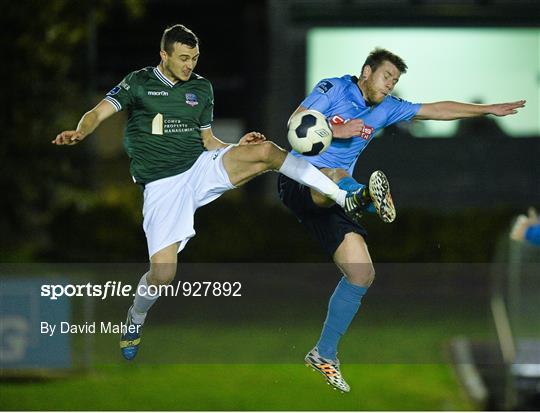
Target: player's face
(381, 82)
(181, 62)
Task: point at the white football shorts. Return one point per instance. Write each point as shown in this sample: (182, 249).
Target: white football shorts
(170, 203)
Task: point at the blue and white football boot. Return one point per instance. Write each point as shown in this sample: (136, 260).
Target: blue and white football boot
(130, 341)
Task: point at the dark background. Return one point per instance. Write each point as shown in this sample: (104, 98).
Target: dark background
(455, 197)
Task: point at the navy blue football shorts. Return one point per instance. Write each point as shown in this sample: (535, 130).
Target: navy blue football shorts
(328, 225)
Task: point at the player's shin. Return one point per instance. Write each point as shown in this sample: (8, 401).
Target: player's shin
(303, 172)
(144, 299)
(342, 308)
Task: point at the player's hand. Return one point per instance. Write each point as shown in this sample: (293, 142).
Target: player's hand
(533, 216)
(252, 138)
(68, 137)
(520, 227)
(503, 109)
(523, 223)
(348, 129)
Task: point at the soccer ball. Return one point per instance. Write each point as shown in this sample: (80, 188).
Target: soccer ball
(309, 134)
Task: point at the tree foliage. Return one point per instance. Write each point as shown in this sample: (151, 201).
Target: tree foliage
(45, 67)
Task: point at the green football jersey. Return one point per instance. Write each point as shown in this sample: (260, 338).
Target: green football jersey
(163, 132)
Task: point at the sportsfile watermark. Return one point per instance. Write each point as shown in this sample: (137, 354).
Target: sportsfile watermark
(281, 313)
(120, 289)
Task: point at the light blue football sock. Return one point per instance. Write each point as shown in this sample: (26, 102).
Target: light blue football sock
(343, 306)
(349, 184)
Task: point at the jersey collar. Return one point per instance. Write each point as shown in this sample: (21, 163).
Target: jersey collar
(162, 77)
(357, 91)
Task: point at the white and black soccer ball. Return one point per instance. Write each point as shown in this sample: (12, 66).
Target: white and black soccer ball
(309, 133)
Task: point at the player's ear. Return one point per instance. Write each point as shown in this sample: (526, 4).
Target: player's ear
(366, 72)
(164, 56)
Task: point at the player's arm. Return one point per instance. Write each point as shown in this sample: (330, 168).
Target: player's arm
(456, 110)
(346, 130)
(211, 142)
(88, 123)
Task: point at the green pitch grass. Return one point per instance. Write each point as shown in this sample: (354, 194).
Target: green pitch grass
(241, 387)
(182, 367)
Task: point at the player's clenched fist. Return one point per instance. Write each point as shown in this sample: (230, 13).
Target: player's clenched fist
(68, 137)
(348, 129)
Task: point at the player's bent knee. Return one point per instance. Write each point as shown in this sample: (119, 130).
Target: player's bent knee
(370, 277)
(265, 151)
(361, 275)
(161, 273)
(270, 154)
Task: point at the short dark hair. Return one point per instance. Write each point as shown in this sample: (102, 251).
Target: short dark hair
(177, 34)
(378, 56)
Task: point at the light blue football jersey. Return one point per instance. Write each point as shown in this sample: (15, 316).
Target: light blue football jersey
(340, 99)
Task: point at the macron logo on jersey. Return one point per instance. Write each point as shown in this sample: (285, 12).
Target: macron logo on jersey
(158, 93)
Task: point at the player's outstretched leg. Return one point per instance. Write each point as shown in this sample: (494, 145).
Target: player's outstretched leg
(245, 162)
(162, 272)
(130, 340)
(328, 368)
(379, 190)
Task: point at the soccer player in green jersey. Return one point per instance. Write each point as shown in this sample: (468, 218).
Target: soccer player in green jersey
(180, 163)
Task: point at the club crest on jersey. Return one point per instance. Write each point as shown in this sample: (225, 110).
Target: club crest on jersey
(366, 132)
(191, 99)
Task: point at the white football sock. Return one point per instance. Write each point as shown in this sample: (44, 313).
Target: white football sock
(305, 173)
(143, 301)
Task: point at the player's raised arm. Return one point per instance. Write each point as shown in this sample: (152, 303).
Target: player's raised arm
(456, 110)
(88, 123)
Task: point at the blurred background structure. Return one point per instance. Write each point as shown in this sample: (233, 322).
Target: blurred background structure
(263, 58)
(457, 185)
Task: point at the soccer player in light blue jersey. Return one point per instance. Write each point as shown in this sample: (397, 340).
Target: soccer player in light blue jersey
(356, 109)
